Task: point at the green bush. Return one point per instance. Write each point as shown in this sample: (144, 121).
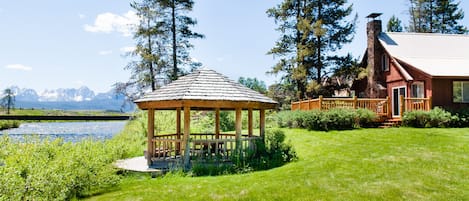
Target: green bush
(54, 170)
(7, 124)
(435, 118)
(271, 153)
(335, 119)
(366, 118)
(460, 118)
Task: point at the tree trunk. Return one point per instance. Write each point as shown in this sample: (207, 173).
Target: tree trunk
(150, 62)
(173, 30)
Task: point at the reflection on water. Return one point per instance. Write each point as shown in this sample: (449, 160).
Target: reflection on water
(69, 131)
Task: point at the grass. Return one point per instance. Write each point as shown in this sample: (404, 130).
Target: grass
(367, 164)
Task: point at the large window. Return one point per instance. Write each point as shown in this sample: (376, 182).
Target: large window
(417, 90)
(461, 91)
(385, 62)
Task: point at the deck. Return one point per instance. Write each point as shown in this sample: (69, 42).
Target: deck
(383, 107)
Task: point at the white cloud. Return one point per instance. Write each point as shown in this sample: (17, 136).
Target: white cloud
(18, 67)
(109, 22)
(105, 52)
(81, 16)
(127, 49)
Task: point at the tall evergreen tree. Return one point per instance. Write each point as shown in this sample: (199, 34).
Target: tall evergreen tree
(311, 30)
(394, 24)
(8, 100)
(147, 71)
(162, 45)
(179, 25)
(435, 16)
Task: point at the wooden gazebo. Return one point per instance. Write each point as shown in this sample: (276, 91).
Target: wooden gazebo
(203, 89)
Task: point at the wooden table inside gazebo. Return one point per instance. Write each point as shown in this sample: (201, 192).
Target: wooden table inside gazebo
(203, 89)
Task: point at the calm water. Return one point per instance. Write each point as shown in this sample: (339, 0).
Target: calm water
(69, 131)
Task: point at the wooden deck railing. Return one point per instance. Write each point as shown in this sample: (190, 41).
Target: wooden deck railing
(412, 104)
(202, 146)
(380, 106)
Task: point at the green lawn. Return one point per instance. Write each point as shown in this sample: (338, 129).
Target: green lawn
(368, 164)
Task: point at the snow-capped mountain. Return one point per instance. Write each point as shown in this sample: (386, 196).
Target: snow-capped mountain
(59, 95)
(81, 98)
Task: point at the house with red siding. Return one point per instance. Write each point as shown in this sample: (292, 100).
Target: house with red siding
(415, 65)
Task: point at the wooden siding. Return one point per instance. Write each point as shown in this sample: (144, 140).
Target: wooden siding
(443, 93)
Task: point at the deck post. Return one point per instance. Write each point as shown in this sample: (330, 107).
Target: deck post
(150, 135)
(250, 127)
(389, 107)
(217, 123)
(187, 128)
(262, 123)
(402, 105)
(429, 103)
(178, 129)
(355, 102)
(320, 102)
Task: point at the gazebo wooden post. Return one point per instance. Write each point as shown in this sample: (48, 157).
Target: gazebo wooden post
(178, 130)
(250, 127)
(239, 127)
(150, 135)
(217, 123)
(262, 123)
(187, 128)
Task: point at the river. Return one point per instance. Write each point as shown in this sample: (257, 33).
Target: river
(69, 131)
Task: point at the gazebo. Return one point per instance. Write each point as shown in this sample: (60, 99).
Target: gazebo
(206, 90)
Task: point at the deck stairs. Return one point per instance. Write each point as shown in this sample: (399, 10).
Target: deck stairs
(390, 123)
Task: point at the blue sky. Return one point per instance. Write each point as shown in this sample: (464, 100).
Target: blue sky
(68, 43)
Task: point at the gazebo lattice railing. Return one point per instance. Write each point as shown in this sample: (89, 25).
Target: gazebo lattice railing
(202, 146)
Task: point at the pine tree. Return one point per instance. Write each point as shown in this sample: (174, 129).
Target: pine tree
(178, 25)
(8, 100)
(162, 46)
(311, 31)
(147, 71)
(435, 16)
(394, 24)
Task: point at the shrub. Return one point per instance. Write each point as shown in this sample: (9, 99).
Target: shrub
(460, 118)
(53, 170)
(366, 118)
(335, 119)
(7, 124)
(274, 152)
(436, 117)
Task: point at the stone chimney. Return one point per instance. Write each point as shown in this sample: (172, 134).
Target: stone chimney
(374, 52)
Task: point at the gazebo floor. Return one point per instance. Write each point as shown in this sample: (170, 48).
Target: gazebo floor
(138, 164)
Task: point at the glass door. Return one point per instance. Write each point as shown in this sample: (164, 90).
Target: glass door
(396, 100)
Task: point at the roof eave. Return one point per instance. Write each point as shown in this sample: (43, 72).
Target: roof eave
(205, 104)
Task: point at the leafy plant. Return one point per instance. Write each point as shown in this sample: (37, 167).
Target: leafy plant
(435, 118)
(335, 119)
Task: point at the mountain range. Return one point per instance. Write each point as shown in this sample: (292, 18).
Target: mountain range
(82, 98)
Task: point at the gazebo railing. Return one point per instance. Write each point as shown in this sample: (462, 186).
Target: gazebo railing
(202, 146)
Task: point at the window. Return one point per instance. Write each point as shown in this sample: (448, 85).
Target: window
(461, 91)
(385, 62)
(417, 90)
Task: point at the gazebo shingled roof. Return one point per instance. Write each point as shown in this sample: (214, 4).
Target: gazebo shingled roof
(204, 85)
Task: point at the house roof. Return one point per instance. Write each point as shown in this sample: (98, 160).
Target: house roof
(439, 55)
(205, 85)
